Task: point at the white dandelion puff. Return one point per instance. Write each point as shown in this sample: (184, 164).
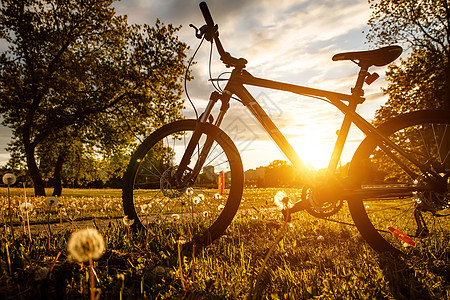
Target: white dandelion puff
(175, 217)
(217, 196)
(196, 200)
(190, 191)
(86, 244)
(9, 179)
(220, 207)
(144, 208)
(128, 222)
(51, 201)
(282, 200)
(201, 197)
(26, 207)
(205, 214)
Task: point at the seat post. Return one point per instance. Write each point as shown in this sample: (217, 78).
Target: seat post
(358, 91)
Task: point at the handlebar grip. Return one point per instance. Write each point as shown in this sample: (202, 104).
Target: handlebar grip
(206, 14)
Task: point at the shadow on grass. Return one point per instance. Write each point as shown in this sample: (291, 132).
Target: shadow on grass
(408, 276)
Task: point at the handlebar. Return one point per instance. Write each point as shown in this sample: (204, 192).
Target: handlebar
(212, 33)
(206, 14)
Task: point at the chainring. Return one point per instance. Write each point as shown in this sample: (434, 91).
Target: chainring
(319, 209)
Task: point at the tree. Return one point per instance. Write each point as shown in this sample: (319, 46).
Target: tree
(279, 173)
(422, 80)
(77, 74)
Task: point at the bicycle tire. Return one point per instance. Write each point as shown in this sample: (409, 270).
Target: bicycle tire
(425, 135)
(203, 214)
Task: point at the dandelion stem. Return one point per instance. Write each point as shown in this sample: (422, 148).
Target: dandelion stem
(10, 214)
(26, 206)
(53, 263)
(9, 259)
(275, 243)
(92, 279)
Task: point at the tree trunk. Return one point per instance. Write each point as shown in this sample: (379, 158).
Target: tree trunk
(39, 188)
(57, 180)
(447, 87)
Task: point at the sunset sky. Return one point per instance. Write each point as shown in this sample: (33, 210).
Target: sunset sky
(285, 40)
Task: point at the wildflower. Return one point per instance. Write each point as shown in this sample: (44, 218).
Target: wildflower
(26, 207)
(9, 179)
(144, 209)
(196, 200)
(86, 244)
(128, 222)
(220, 207)
(51, 201)
(282, 200)
(181, 241)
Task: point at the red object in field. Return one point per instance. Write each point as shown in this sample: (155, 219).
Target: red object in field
(221, 183)
(402, 236)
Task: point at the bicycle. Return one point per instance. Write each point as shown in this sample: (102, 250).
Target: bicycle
(397, 187)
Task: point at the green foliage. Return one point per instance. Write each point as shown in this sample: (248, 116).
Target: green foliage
(76, 73)
(422, 80)
(417, 84)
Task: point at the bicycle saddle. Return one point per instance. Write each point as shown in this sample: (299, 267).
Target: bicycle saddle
(378, 57)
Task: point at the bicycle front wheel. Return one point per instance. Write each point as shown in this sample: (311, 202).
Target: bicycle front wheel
(415, 215)
(197, 212)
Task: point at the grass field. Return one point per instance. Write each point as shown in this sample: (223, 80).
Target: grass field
(315, 259)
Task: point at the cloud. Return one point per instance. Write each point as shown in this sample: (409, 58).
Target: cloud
(286, 40)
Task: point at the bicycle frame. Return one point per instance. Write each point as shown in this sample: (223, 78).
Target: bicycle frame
(235, 86)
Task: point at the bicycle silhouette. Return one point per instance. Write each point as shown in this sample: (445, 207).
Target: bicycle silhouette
(397, 187)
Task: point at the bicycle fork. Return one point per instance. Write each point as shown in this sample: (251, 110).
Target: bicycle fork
(181, 178)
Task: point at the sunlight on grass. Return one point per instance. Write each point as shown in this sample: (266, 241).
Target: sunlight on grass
(314, 258)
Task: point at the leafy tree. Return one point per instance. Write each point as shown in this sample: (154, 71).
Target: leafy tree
(279, 173)
(422, 80)
(78, 80)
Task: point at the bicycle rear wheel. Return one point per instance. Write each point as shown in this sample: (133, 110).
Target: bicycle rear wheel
(405, 222)
(198, 212)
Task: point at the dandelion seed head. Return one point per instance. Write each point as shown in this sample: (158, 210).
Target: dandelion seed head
(205, 214)
(190, 191)
(220, 207)
(196, 200)
(175, 217)
(217, 196)
(128, 222)
(282, 200)
(51, 201)
(144, 208)
(86, 244)
(201, 197)
(9, 179)
(26, 207)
